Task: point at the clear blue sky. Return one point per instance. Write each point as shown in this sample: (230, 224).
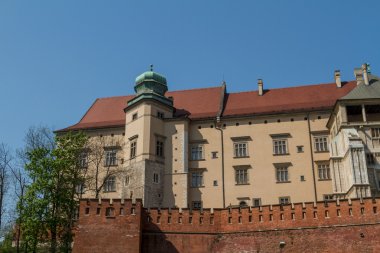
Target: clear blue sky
(57, 57)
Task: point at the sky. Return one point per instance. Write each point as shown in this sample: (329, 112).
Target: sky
(57, 57)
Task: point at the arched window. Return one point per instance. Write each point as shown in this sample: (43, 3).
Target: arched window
(243, 203)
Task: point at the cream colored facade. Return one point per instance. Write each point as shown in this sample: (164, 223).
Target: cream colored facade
(249, 159)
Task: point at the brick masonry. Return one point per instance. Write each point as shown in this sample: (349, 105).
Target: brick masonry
(342, 226)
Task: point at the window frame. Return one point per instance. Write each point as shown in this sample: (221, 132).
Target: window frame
(282, 173)
(254, 200)
(196, 179)
(133, 149)
(110, 157)
(321, 143)
(110, 184)
(281, 202)
(195, 150)
(280, 149)
(193, 203)
(324, 171)
(160, 148)
(240, 152)
(83, 160)
(241, 175)
(156, 178)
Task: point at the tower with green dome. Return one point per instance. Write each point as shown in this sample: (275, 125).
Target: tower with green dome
(151, 85)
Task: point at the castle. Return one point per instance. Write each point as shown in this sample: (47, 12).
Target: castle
(208, 148)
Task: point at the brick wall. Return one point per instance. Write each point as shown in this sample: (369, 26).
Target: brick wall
(343, 226)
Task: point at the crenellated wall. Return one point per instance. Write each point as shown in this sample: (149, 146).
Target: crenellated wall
(351, 225)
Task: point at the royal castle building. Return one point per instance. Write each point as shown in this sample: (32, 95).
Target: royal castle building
(211, 148)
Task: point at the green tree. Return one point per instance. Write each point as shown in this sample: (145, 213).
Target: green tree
(50, 200)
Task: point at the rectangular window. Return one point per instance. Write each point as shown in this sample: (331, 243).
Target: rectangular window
(160, 115)
(241, 176)
(133, 149)
(111, 158)
(241, 149)
(197, 179)
(110, 184)
(134, 116)
(370, 159)
(214, 154)
(321, 144)
(282, 174)
(256, 202)
(83, 163)
(197, 204)
(156, 178)
(328, 197)
(127, 180)
(300, 149)
(280, 146)
(160, 148)
(324, 171)
(375, 132)
(197, 152)
(284, 200)
(80, 188)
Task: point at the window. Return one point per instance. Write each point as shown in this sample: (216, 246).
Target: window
(375, 132)
(215, 182)
(282, 174)
(133, 149)
(110, 184)
(320, 144)
(300, 149)
(324, 171)
(370, 159)
(280, 146)
(83, 163)
(284, 200)
(127, 180)
(328, 197)
(241, 176)
(160, 148)
(111, 158)
(256, 202)
(134, 116)
(197, 179)
(160, 115)
(80, 188)
(110, 212)
(214, 154)
(243, 203)
(156, 178)
(241, 149)
(197, 152)
(197, 204)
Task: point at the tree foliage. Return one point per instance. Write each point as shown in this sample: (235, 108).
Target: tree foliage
(49, 203)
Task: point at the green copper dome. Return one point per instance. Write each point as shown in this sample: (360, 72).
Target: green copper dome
(151, 85)
(151, 82)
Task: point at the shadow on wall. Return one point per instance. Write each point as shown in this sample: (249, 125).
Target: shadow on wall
(156, 242)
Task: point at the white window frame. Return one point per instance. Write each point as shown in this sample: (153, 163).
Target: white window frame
(280, 146)
(110, 184)
(196, 179)
(197, 152)
(241, 176)
(240, 149)
(324, 171)
(284, 200)
(254, 200)
(282, 173)
(133, 149)
(111, 157)
(321, 143)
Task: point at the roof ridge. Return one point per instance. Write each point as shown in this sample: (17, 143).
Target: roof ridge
(292, 87)
(207, 88)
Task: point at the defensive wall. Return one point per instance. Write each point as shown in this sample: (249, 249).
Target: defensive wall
(123, 226)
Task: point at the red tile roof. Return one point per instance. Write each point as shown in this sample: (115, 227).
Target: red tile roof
(109, 112)
(204, 103)
(301, 98)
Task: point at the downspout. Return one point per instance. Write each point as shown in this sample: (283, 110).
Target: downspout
(312, 157)
(218, 127)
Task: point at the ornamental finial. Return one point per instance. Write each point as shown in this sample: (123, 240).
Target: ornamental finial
(151, 67)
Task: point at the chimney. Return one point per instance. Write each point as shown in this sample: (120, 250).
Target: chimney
(261, 86)
(358, 76)
(365, 73)
(338, 81)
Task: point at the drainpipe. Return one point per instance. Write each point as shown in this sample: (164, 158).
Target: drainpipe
(312, 157)
(222, 157)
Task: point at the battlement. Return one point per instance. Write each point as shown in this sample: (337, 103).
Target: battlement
(270, 217)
